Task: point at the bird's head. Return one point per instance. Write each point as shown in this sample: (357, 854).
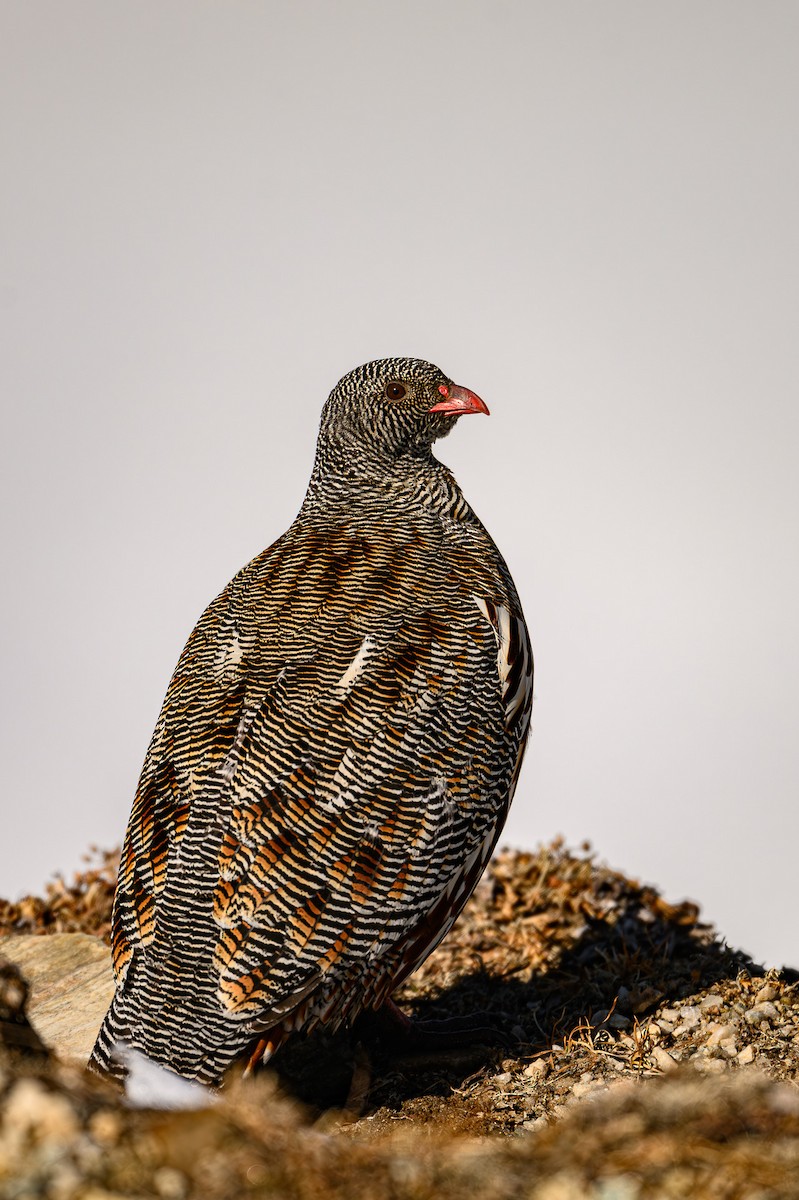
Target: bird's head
(395, 407)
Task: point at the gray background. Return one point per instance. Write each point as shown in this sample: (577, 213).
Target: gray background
(585, 212)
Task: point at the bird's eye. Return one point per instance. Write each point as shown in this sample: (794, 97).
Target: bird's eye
(395, 391)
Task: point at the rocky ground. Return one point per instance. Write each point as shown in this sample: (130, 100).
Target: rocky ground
(628, 1052)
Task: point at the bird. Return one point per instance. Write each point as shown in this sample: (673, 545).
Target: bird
(335, 756)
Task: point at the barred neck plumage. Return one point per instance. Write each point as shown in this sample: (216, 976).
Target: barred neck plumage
(363, 480)
(374, 453)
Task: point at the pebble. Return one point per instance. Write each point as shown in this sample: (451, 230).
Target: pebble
(170, 1184)
(712, 1001)
(761, 1012)
(690, 1016)
(746, 1055)
(537, 1069)
(585, 1087)
(105, 1127)
(721, 1033)
(32, 1110)
(622, 1187)
(767, 992)
(663, 1059)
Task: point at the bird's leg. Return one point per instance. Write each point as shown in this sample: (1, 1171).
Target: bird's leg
(360, 1084)
(259, 1057)
(398, 1032)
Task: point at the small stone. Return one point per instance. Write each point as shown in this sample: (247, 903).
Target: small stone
(621, 1187)
(169, 1183)
(662, 1059)
(689, 1017)
(535, 1123)
(712, 1001)
(538, 1069)
(505, 1077)
(760, 1013)
(767, 992)
(584, 1087)
(105, 1127)
(669, 1014)
(746, 1055)
(713, 1065)
(721, 1033)
(32, 1110)
(666, 1026)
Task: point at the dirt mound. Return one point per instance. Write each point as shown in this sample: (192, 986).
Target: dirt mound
(627, 1052)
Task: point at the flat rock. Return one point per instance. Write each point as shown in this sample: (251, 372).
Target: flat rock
(71, 983)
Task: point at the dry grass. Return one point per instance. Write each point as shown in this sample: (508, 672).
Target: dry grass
(604, 1079)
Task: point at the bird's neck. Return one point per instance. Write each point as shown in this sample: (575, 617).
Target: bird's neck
(354, 477)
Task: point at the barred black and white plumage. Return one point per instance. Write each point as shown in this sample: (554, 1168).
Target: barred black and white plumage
(336, 753)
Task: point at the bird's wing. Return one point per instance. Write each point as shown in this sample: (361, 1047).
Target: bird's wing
(333, 760)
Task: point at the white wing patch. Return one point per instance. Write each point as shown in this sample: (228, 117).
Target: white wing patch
(514, 661)
(357, 665)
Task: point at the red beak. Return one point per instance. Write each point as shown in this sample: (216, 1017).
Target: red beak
(458, 400)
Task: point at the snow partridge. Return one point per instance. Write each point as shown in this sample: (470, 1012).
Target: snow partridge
(335, 756)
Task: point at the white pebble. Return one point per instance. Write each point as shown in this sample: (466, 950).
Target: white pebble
(721, 1033)
(663, 1059)
(760, 1013)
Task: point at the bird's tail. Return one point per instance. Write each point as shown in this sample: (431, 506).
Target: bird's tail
(115, 1030)
(194, 1040)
